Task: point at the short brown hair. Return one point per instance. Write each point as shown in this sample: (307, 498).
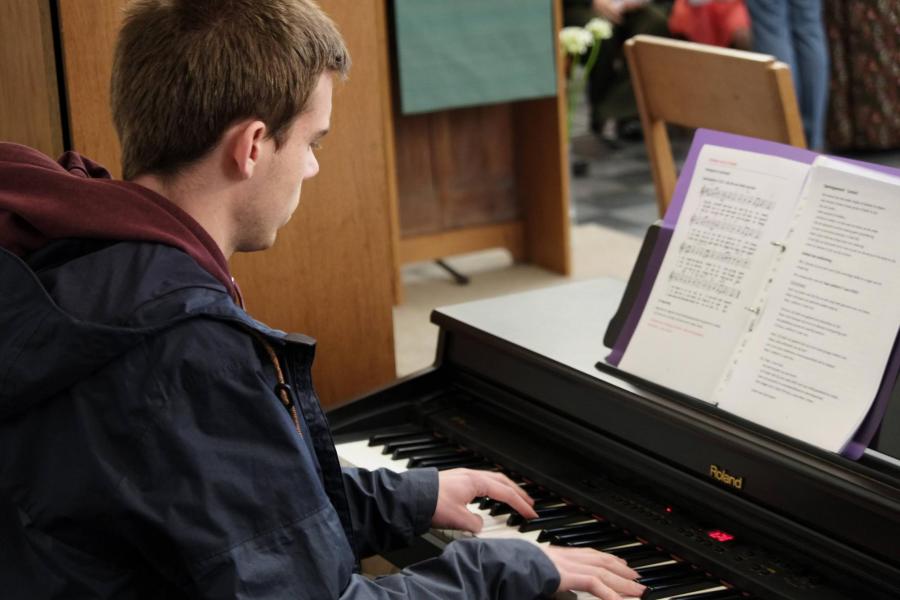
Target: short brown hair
(186, 70)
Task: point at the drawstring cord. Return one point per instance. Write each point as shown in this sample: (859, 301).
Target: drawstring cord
(282, 389)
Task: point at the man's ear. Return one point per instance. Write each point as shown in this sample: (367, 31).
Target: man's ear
(247, 146)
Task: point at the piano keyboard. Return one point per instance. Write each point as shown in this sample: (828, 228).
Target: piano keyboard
(560, 522)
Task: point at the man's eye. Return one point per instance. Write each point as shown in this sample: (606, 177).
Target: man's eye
(315, 145)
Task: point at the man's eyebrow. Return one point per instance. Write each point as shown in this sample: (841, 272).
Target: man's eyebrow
(320, 134)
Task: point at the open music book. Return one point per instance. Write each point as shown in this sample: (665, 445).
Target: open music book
(773, 290)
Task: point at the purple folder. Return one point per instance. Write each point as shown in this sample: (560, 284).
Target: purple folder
(856, 446)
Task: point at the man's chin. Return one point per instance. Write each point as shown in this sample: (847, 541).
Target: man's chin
(257, 245)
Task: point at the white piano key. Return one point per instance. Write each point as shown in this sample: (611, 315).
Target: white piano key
(713, 587)
(510, 533)
(361, 454)
(661, 563)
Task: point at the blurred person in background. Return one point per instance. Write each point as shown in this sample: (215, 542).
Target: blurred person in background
(716, 22)
(864, 52)
(792, 31)
(614, 114)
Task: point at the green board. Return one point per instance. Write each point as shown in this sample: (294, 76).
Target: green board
(455, 53)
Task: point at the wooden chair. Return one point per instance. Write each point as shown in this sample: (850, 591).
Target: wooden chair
(695, 85)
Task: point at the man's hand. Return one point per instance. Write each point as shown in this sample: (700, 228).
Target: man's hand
(458, 487)
(585, 570)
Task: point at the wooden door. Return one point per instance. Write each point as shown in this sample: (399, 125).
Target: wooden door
(330, 273)
(29, 100)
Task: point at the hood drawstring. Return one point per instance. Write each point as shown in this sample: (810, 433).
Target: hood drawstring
(282, 389)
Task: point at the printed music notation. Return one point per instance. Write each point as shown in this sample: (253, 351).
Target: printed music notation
(736, 197)
(721, 225)
(723, 256)
(709, 285)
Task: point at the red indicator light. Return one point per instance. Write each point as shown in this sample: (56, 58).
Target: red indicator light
(720, 536)
(668, 509)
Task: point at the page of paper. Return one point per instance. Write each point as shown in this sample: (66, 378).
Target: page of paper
(817, 355)
(737, 205)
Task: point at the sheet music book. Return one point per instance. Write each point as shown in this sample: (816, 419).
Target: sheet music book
(775, 297)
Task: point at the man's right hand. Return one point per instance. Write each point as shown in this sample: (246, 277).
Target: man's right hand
(586, 570)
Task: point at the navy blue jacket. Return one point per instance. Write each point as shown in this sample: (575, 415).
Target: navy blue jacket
(145, 454)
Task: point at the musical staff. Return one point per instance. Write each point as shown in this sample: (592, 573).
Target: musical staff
(705, 284)
(726, 226)
(712, 253)
(736, 197)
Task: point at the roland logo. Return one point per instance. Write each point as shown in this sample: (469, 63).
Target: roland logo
(726, 477)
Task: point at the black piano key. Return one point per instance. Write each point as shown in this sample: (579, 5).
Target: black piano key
(474, 463)
(634, 551)
(545, 498)
(532, 488)
(406, 451)
(586, 525)
(651, 559)
(412, 440)
(500, 508)
(589, 523)
(487, 503)
(448, 452)
(442, 457)
(584, 533)
(379, 439)
(688, 584)
(666, 573)
(554, 510)
(599, 541)
(440, 462)
(542, 522)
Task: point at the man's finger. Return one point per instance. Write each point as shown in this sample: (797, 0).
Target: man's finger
(504, 493)
(501, 478)
(469, 521)
(586, 583)
(614, 564)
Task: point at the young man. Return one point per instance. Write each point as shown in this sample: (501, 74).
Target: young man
(155, 440)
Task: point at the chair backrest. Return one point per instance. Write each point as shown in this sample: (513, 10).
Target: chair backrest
(695, 85)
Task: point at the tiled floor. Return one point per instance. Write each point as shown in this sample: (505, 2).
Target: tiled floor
(617, 190)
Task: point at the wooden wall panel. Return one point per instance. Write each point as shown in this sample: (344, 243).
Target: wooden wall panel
(88, 30)
(382, 31)
(477, 170)
(418, 196)
(456, 168)
(29, 99)
(330, 274)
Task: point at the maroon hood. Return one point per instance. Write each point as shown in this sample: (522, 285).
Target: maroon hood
(42, 200)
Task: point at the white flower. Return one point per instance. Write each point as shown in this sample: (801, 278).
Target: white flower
(599, 28)
(575, 40)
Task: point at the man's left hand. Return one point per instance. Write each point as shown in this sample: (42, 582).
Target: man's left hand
(458, 487)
